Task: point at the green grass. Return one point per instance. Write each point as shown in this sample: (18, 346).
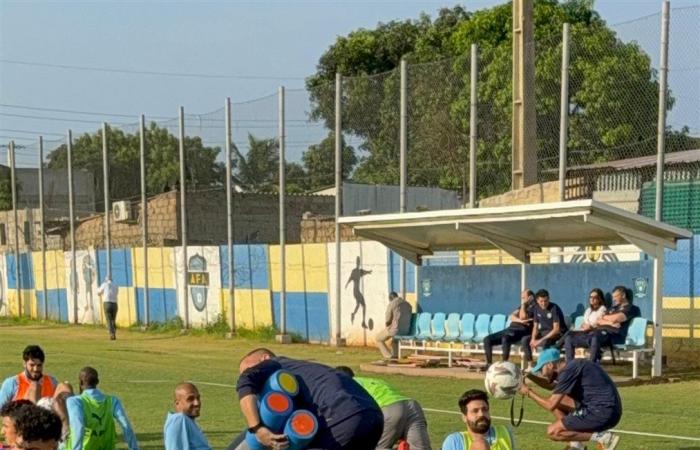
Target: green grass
(143, 367)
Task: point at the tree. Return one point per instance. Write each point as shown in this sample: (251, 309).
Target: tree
(162, 161)
(259, 168)
(319, 162)
(613, 93)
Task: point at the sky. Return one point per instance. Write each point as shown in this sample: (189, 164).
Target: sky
(246, 49)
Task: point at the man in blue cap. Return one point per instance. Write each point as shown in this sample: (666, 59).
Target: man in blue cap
(585, 401)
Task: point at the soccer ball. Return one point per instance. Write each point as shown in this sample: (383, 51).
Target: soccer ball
(503, 380)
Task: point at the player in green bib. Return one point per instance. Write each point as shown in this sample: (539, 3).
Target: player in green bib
(92, 415)
(403, 417)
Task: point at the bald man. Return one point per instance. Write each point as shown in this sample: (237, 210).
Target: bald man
(180, 431)
(348, 417)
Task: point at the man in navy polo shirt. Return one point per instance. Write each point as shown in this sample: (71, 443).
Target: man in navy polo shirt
(585, 401)
(611, 328)
(548, 326)
(348, 418)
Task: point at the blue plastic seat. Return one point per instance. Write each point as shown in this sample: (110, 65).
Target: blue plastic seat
(438, 327)
(452, 327)
(481, 327)
(578, 322)
(466, 325)
(498, 323)
(636, 334)
(411, 332)
(423, 327)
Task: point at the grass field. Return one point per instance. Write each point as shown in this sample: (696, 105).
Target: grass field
(142, 368)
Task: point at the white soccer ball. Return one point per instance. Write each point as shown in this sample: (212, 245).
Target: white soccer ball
(503, 380)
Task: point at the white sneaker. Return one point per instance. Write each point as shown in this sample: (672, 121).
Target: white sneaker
(609, 442)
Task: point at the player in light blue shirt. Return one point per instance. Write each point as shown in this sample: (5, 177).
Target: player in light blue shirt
(181, 432)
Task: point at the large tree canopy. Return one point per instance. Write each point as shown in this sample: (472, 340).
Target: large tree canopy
(613, 93)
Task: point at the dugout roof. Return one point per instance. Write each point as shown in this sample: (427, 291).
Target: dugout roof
(517, 230)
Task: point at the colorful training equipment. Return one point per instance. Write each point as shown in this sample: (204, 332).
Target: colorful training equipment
(301, 429)
(275, 409)
(282, 381)
(253, 442)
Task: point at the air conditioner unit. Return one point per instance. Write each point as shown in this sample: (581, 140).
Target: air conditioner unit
(121, 211)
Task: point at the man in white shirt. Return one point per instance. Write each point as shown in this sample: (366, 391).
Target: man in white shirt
(108, 293)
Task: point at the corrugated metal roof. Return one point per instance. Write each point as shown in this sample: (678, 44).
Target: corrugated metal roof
(684, 157)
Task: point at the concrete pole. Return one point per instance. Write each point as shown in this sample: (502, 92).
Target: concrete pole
(144, 217)
(18, 265)
(229, 217)
(403, 142)
(339, 341)
(71, 221)
(283, 337)
(42, 216)
(661, 147)
(524, 113)
(472, 125)
(661, 126)
(105, 188)
(564, 112)
(183, 217)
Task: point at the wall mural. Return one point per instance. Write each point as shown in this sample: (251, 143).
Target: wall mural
(356, 279)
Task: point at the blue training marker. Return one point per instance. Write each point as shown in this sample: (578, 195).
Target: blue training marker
(253, 442)
(301, 428)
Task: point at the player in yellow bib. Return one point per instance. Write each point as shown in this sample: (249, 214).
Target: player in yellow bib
(480, 434)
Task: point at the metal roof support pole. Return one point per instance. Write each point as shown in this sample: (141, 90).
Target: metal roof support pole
(657, 314)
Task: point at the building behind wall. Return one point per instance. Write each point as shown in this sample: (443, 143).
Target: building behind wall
(255, 221)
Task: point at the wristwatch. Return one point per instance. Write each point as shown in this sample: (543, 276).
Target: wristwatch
(255, 428)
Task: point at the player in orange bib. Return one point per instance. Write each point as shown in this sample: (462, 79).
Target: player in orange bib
(30, 384)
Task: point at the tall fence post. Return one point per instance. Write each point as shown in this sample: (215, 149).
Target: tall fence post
(283, 337)
(105, 187)
(18, 265)
(473, 92)
(183, 216)
(564, 112)
(563, 120)
(660, 149)
(42, 227)
(144, 217)
(229, 218)
(338, 204)
(403, 147)
(71, 221)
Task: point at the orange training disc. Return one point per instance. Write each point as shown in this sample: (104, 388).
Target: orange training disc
(303, 424)
(278, 402)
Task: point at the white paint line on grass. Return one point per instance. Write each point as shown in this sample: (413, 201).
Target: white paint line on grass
(539, 422)
(443, 411)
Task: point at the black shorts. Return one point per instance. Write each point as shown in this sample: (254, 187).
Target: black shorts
(586, 420)
(359, 431)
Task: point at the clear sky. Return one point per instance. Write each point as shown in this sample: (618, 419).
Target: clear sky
(259, 44)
